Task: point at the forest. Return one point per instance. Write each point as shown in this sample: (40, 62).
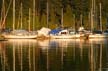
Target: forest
(54, 13)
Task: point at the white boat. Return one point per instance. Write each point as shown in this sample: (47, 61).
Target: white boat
(105, 32)
(65, 34)
(10, 36)
(19, 34)
(97, 34)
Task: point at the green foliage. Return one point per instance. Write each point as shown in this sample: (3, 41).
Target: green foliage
(68, 17)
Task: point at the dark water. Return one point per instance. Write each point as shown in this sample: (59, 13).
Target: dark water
(54, 55)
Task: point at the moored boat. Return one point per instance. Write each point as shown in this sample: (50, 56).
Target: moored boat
(97, 34)
(74, 36)
(19, 34)
(64, 34)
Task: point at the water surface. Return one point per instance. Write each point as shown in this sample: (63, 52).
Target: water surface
(54, 55)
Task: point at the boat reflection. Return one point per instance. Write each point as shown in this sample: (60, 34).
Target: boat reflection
(54, 55)
(43, 44)
(22, 42)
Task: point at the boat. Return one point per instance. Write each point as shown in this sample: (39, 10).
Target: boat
(97, 34)
(105, 32)
(19, 34)
(64, 34)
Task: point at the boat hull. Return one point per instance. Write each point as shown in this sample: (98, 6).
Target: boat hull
(74, 36)
(20, 36)
(97, 36)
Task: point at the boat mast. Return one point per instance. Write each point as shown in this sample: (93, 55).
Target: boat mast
(100, 16)
(91, 20)
(92, 15)
(13, 29)
(21, 15)
(29, 19)
(47, 13)
(33, 14)
(13, 14)
(81, 20)
(62, 17)
(74, 21)
(3, 13)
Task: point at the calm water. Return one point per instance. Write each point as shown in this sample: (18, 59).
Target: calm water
(54, 55)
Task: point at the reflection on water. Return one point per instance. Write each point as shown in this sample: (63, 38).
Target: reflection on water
(54, 55)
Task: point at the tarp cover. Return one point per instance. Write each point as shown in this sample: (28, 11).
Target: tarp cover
(55, 31)
(43, 31)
